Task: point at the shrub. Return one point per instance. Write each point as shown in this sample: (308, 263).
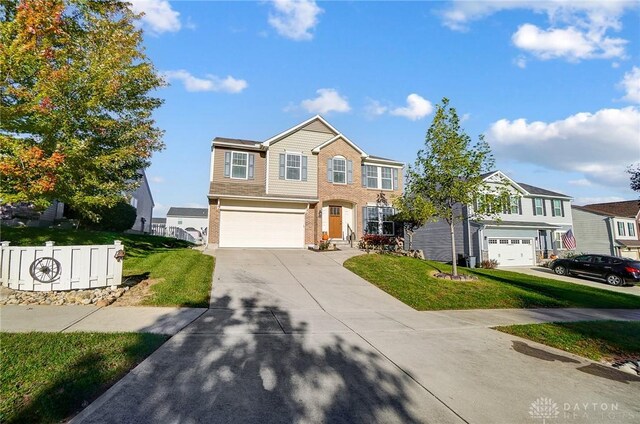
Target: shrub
(119, 217)
(373, 241)
(490, 264)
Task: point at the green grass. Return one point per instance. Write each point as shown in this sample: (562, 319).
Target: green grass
(185, 274)
(47, 377)
(597, 340)
(409, 280)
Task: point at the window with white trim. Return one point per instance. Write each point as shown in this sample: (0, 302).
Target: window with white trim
(293, 166)
(378, 220)
(539, 207)
(621, 231)
(557, 239)
(371, 176)
(339, 170)
(514, 204)
(557, 207)
(239, 165)
(387, 178)
(632, 229)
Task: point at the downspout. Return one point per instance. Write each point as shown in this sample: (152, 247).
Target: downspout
(612, 240)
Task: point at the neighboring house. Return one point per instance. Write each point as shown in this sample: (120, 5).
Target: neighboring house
(159, 221)
(288, 190)
(608, 228)
(142, 200)
(529, 229)
(193, 220)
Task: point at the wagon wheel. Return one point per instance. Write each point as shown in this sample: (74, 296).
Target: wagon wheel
(45, 270)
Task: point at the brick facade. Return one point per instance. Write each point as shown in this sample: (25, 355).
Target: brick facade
(351, 193)
(214, 222)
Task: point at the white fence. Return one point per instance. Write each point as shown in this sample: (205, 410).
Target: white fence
(175, 232)
(50, 267)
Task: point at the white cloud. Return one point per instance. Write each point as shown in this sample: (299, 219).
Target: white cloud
(580, 201)
(582, 182)
(158, 16)
(520, 62)
(157, 179)
(374, 108)
(209, 83)
(577, 29)
(570, 43)
(417, 108)
(631, 85)
(328, 100)
(597, 145)
(295, 19)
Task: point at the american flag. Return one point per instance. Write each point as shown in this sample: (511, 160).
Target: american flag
(568, 240)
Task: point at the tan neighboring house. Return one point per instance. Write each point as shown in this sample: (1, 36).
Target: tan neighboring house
(288, 190)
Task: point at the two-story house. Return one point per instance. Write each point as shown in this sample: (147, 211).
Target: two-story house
(608, 228)
(525, 231)
(287, 190)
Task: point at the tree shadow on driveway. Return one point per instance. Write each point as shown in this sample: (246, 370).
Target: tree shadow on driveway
(237, 366)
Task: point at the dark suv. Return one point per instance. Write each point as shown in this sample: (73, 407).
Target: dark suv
(616, 271)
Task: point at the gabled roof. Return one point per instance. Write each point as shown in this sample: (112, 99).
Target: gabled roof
(627, 208)
(235, 141)
(158, 220)
(291, 130)
(516, 185)
(526, 188)
(190, 212)
(338, 137)
(593, 211)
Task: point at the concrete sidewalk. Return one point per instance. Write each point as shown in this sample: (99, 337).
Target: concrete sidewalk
(159, 320)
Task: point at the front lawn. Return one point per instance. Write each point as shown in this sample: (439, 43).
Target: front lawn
(410, 281)
(596, 340)
(48, 377)
(182, 276)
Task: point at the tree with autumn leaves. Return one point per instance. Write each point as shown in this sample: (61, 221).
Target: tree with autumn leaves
(75, 106)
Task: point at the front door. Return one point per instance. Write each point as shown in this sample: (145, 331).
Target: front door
(335, 222)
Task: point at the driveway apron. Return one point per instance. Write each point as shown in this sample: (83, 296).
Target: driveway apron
(293, 337)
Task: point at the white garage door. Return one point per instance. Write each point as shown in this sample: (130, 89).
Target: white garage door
(261, 229)
(512, 251)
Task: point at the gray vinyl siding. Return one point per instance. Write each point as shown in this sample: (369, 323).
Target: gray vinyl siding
(592, 233)
(510, 232)
(435, 240)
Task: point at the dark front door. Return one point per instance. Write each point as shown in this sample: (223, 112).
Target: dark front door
(335, 222)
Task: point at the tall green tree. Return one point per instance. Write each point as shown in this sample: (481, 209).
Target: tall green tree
(447, 175)
(634, 171)
(75, 105)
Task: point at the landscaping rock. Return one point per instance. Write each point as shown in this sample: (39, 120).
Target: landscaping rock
(73, 297)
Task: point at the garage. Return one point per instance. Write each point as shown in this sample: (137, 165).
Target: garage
(262, 225)
(512, 251)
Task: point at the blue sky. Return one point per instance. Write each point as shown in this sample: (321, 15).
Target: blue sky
(554, 86)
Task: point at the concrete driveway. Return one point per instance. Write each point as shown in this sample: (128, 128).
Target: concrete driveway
(540, 271)
(293, 337)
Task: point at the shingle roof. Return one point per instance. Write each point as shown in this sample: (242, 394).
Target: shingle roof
(191, 212)
(541, 191)
(158, 220)
(627, 208)
(236, 141)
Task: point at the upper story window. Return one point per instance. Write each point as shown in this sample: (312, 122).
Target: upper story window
(558, 210)
(339, 170)
(632, 229)
(383, 177)
(239, 165)
(387, 178)
(294, 166)
(371, 175)
(538, 206)
(514, 204)
(621, 231)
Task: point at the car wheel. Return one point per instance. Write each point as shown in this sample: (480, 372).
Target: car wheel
(560, 270)
(615, 280)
